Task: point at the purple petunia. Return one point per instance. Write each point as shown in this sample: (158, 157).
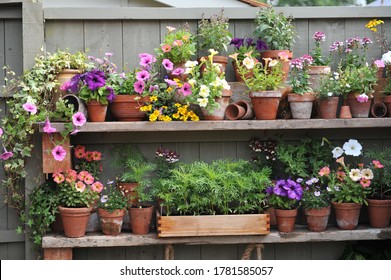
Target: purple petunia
(47, 128)
(286, 188)
(95, 79)
(6, 155)
(261, 45)
(185, 89)
(249, 41)
(146, 59)
(79, 119)
(237, 42)
(59, 153)
(30, 107)
(168, 65)
(139, 87)
(177, 71)
(142, 75)
(111, 96)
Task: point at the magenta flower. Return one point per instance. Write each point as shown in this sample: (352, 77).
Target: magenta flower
(379, 63)
(109, 54)
(185, 89)
(170, 82)
(65, 86)
(146, 59)
(47, 128)
(168, 64)
(296, 63)
(139, 87)
(111, 97)
(142, 75)
(6, 155)
(362, 98)
(59, 153)
(79, 119)
(178, 71)
(75, 131)
(153, 88)
(1, 131)
(319, 36)
(30, 107)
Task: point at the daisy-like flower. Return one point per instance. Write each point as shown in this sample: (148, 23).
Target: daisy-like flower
(80, 186)
(59, 153)
(79, 119)
(337, 152)
(30, 107)
(355, 174)
(352, 148)
(367, 173)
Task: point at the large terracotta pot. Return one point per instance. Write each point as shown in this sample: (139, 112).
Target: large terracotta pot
(220, 60)
(316, 73)
(301, 105)
(379, 212)
(285, 219)
(273, 54)
(218, 113)
(96, 111)
(65, 76)
(327, 107)
(75, 220)
(358, 109)
(265, 104)
(126, 108)
(347, 214)
(317, 219)
(140, 219)
(111, 222)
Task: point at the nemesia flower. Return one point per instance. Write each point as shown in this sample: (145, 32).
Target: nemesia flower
(80, 186)
(248, 62)
(336, 46)
(317, 193)
(296, 63)
(324, 171)
(367, 173)
(58, 177)
(366, 41)
(59, 153)
(377, 164)
(355, 174)
(79, 119)
(30, 107)
(352, 148)
(362, 98)
(139, 87)
(337, 152)
(168, 65)
(97, 186)
(365, 182)
(47, 128)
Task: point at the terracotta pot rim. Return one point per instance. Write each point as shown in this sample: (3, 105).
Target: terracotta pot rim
(73, 209)
(306, 97)
(266, 93)
(346, 204)
(267, 53)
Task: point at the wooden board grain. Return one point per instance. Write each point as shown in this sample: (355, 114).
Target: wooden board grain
(213, 225)
(49, 164)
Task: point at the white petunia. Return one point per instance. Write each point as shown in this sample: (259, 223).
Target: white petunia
(367, 173)
(204, 91)
(386, 58)
(352, 148)
(202, 102)
(248, 62)
(337, 152)
(355, 174)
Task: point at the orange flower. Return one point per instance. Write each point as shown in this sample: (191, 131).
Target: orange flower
(166, 48)
(96, 155)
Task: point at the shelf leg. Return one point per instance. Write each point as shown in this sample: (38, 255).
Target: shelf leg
(57, 254)
(250, 248)
(168, 252)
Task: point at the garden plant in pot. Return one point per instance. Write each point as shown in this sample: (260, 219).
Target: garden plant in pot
(327, 96)
(348, 185)
(112, 209)
(94, 88)
(278, 32)
(264, 85)
(379, 198)
(213, 33)
(302, 98)
(209, 90)
(178, 46)
(77, 192)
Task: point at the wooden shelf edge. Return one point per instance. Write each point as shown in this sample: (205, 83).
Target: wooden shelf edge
(300, 235)
(291, 124)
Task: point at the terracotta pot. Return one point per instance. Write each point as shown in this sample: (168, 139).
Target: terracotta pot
(358, 110)
(111, 222)
(130, 190)
(140, 219)
(347, 214)
(379, 110)
(265, 104)
(126, 108)
(379, 212)
(285, 219)
(327, 107)
(218, 59)
(317, 219)
(387, 102)
(234, 112)
(316, 73)
(65, 76)
(301, 105)
(218, 113)
(238, 77)
(273, 54)
(74, 220)
(345, 112)
(250, 114)
(96, 111)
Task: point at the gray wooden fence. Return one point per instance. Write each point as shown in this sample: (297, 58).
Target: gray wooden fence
(129, 31)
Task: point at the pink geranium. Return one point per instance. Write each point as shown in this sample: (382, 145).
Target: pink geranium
(30, 107)
(59, 153)
(79, 119)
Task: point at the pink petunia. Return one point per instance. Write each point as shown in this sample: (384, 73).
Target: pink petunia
(1, 131)
(97, 186)
(80, 186)
(89, 179)
(82, 175)
(379, 63)
(47, 128)
(170, 82)
(58, 177)
(71, 176)
(177, 43)
(377, 164)
(59, 153)
(142, 75)
(362, 98)
(365, 182)
(139, 87)
(75, 131)
(79, 119)
(178, 71)
(109, 54)
(166, 48)
(185, 89)
(65, 86)
(324, 171)
(168, 65)
(30, 107)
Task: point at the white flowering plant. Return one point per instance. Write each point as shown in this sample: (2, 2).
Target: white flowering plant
(348, 183)
(329, 86)
(205, 82)
(315, 194)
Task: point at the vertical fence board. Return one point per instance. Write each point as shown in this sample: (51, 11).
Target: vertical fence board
(16, 251)
(2, 51)
(219, 252)
(145, 253)
(327, 251)
(185, 252)
(217, 150)
(107, 254)
(13, 46)
(64, 35)
(300, 47)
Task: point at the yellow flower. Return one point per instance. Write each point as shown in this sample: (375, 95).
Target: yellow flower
(372, 23)
(204, 91)
(202, 102)
(213, 52)
(192, 82)
(234, 56)
(177, 105)
(146, 108)
(169, 89)
(153, 98)
(175, 116)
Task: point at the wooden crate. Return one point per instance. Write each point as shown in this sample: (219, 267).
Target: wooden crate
(49, 164)
(212, 225)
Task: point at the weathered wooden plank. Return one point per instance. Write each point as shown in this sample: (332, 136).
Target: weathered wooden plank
(64, 35)
(13, 47)
(10, 236)
(327, 251)
(2, 50)
(144, 253)
(183, 252)
(16, 251)
(217, 150)
(49, 163)
(301, 234)
(58, 254)
(104, 254)
(216, 252)
(300, 46)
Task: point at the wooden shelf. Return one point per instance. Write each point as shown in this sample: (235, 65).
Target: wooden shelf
(291, 124)
(301, 234)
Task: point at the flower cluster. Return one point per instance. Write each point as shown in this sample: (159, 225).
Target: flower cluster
(285, 194)
(112, 199)
(178, 45)
(379, 37)
(264, 152)
(247, 45)
(329, 86)
(205, 82)
(266, 76)
(88, 160)
(347, 183)
(77, 189)
(319, 60)
(299, 77)
(5, 154)
(166, 160)
(315, 195)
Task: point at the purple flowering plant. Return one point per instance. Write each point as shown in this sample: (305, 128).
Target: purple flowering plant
(315, 195)
(247, 45)
(285, 194)
(319, 59)
(299, 76)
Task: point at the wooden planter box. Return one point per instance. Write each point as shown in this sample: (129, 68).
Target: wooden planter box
(212, 225)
